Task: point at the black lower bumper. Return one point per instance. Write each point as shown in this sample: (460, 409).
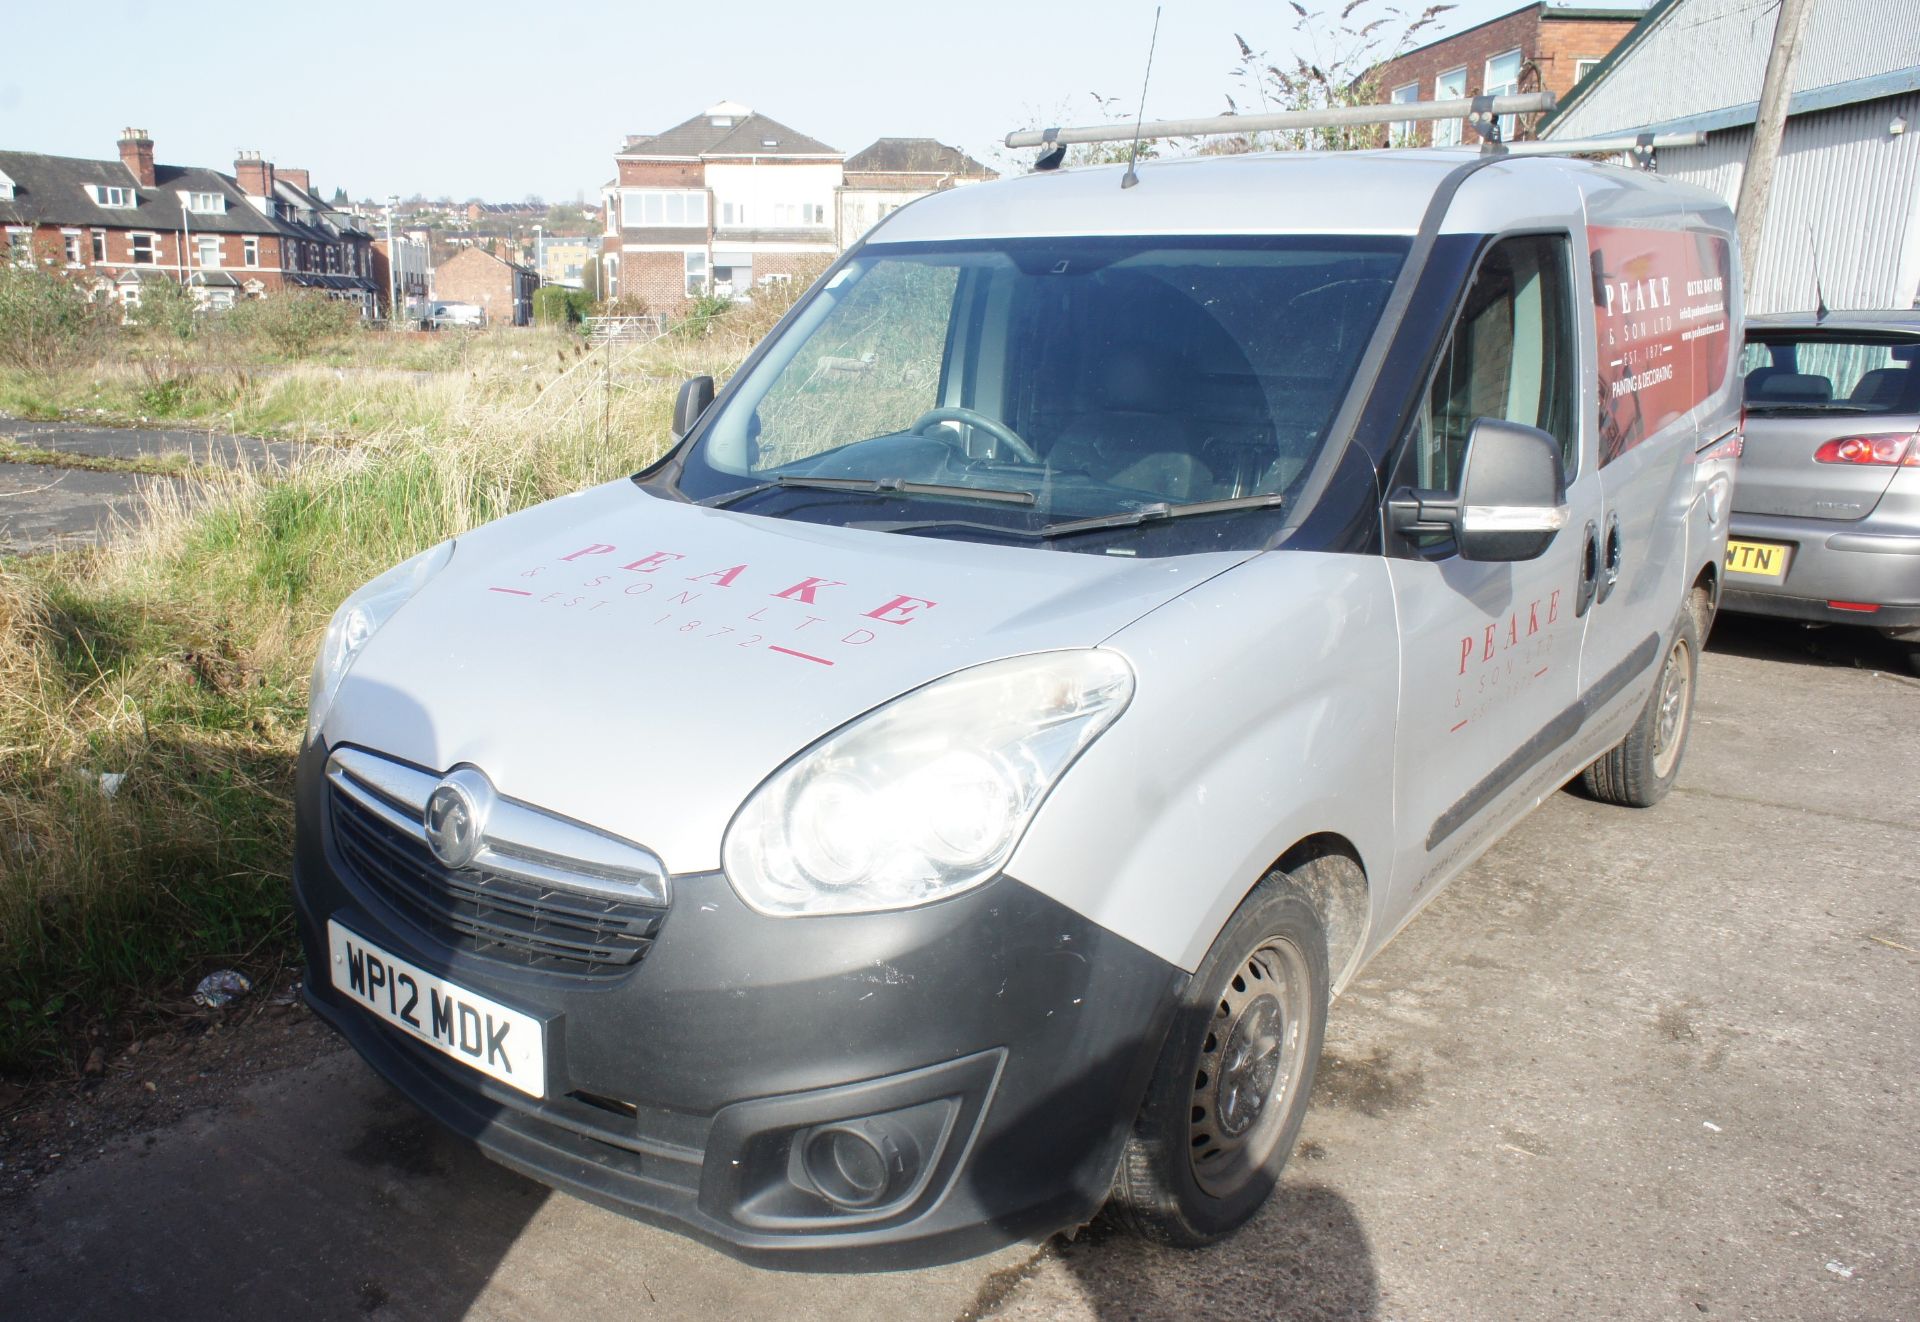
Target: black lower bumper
(995, 1046)
(1894, 620)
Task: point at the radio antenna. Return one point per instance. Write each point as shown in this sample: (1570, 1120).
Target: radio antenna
(1129, 179)
(1819, 298)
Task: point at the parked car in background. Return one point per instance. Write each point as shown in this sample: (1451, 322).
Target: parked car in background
(1826, 508)
(468, 316)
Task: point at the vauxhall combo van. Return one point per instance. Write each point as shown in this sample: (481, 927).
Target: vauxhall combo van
(939, 799)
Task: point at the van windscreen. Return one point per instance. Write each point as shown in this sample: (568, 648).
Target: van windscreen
(1043, 381)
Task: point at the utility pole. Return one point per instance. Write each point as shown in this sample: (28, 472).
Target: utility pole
(1756, 181)
(393, 267)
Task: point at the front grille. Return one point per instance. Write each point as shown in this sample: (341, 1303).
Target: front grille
(485, 913)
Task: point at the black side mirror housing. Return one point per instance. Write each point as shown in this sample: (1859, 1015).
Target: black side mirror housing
(696, 393)
(1512, 500)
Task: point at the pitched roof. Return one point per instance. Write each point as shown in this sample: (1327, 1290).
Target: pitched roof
(915, 156)
(52, 190)
(739, 132)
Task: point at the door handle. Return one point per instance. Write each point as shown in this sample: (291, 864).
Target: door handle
(1610, 562)
(1589, 569)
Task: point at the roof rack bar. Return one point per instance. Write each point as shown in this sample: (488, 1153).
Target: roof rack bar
(1401, 112)
(1588, 146)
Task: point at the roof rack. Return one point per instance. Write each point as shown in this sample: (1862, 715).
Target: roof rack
(1481, 113)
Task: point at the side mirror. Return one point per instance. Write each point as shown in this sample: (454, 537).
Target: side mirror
(696, 393)
(1512, 499)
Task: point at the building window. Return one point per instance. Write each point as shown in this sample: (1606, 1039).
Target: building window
(1401, 134)
(1503, 79)
(1449, 86)
(99, 245)
(1581, 68)
(696, 274)
(209, 250)
(250, 250)
(733, 213)
(642, 208)
(76, 255)
(813, 213)
(207, 204)
(119, 199)
(20, 246)
(146, 251)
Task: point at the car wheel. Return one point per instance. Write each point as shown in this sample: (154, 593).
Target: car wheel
(1230, 1090)
(1639, 770)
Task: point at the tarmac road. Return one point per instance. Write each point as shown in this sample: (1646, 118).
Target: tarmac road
(46, 507)
(1636, 1065)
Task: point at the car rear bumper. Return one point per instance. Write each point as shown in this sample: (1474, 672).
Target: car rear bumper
(1001, 1038)
(1870, 562)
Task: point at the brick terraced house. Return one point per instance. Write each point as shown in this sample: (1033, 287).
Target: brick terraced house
(717, 204)
(502, 289)
(116, 225)
(1539, 47)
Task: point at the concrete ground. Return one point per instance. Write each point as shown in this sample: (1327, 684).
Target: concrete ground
(1637, 1065)
(45, 507)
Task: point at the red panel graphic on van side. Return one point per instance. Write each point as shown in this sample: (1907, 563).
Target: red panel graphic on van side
(1660, 318)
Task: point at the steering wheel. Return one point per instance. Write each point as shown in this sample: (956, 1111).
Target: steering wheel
(1006, 435)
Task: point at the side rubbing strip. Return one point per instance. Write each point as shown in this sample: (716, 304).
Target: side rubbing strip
(1549, 737)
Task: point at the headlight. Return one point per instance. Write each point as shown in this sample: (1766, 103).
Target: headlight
(926, 796)
(359, 618)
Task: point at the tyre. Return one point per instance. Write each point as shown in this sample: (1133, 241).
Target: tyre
(1230, 1090)
(1639, 770)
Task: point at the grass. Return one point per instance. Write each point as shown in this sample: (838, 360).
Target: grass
(178, 657)
(150, 465)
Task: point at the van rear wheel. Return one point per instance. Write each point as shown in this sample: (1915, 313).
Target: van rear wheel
(1639, 770)
(1230, 1090)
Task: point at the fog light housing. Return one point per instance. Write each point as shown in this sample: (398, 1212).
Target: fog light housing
(862, 1163)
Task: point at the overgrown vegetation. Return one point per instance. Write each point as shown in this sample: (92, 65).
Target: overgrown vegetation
(153, 694)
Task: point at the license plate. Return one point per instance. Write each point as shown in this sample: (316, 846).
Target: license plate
(1766, 560)
(501, 1042)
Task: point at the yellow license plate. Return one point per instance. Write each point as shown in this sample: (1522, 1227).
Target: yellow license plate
(1758, 560)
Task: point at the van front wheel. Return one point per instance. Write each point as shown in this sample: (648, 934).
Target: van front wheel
(1638, 771)
(1230, 1090)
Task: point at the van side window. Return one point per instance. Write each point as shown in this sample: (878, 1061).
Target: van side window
(1510, 356)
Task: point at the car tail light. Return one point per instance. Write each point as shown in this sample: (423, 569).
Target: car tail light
(1883, 450)
(1863, 607)
(1729, 447)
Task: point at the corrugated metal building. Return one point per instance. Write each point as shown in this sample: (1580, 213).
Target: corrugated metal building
(1847, 185)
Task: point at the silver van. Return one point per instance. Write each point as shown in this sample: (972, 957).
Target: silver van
(941, 798)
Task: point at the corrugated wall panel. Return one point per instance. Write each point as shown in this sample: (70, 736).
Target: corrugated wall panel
(1845, 186)
(1707, 55)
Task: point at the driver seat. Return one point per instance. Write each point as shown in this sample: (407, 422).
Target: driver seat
(1135, 439)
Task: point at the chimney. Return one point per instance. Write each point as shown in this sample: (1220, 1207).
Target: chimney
(254, 175)
(136, 153)
(298, 178)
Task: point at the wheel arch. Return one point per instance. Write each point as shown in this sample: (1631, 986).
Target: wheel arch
(1342, 897)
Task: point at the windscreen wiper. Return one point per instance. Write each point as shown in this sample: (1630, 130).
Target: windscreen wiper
(885, 486)
(1156, 512)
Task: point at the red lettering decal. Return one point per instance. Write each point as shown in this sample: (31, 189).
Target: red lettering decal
(1513, 629)
(855, 639)
(597, 548)
(1533, 618)
(686, 598)
(646, 564)
(1488, 654)
(901, 610)
(1466, 651)
(803, 590)
(720, 578)
(1553, 606)
(811, 620)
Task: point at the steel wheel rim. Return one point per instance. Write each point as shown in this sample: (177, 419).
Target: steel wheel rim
(1670, 718)
(1249, 1069)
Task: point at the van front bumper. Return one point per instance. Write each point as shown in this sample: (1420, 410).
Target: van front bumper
(995, 1046)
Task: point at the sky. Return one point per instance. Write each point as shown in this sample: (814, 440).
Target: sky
(503, 100)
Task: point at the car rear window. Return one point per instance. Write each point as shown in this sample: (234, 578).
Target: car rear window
(1831, 373)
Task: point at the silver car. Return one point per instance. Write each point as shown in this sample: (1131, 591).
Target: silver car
(1826, 511)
